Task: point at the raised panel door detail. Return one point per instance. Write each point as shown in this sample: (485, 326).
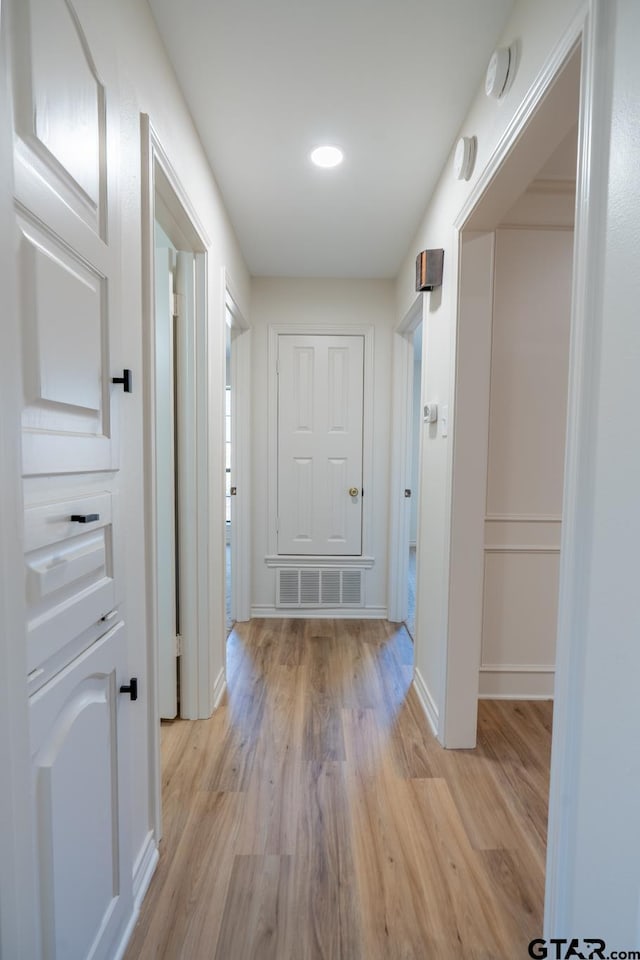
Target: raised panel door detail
(76, 738)
(70, 571)
(74, 837)
(70, 564)
(338, 395)
(63, 312)
(338, 503)
(301, 506)
(302, 400)
(66, 347)
(320, 431)
(68, 272)
(60, 105)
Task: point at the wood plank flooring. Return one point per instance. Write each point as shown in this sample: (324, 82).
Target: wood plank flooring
(315, 817)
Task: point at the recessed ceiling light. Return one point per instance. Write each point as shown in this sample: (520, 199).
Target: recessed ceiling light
(327, 156)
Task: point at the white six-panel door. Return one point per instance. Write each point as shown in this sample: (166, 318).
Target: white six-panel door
(67, 263)
(320, 430)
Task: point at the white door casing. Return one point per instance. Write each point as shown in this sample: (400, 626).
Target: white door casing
(320, 444)
(201, 675)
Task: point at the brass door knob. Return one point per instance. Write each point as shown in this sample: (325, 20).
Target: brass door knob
(353, 491)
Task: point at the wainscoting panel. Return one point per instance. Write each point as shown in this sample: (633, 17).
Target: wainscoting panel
(520, 607)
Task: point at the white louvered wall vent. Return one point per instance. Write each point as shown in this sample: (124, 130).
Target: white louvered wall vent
(307, 587)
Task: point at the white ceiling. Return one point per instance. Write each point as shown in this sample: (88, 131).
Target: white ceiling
(389, 81)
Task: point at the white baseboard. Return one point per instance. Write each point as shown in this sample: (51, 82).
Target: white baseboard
(219, 688)
(426, 701)
(508, 681)
(144, 868)
(314, 613)
(145, 865)
(121, 949)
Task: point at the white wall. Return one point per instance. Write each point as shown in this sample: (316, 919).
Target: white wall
(317, 303)
(529, 372)
(538, 28)
(527, 424)
(147, 84)
(593, 877)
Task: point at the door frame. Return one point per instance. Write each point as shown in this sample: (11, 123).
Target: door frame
(240, 453)
(312, 330)
(467, 454)
(197, 687)
(402, 463)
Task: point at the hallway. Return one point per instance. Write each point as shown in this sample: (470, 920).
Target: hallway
(315, 816)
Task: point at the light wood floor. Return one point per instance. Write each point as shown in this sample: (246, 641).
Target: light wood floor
(314, 816)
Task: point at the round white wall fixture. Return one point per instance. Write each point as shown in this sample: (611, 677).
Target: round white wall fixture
(464, 158)
(497, 76)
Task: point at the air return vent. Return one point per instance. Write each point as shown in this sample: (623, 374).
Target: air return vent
(351, 588)
(309, 587)
(288, 588)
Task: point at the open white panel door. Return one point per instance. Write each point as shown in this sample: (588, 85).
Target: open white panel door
(165, 483)
(240, 405)
(320, 431)
(68, 267)
(187, 415)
